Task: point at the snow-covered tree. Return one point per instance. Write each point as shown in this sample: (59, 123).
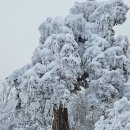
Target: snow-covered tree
(47, 83)
(103, 56)
(71, 50)
(117, 118)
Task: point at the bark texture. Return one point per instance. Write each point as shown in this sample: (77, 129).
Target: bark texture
(60, 118)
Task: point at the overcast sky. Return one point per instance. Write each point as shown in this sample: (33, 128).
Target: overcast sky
(19, 22)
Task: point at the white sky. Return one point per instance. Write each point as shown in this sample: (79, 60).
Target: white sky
(19, 22)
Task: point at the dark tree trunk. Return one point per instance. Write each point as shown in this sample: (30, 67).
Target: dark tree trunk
(60, 121)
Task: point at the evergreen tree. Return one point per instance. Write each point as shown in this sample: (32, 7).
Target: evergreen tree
(72, 50)
(104, 57)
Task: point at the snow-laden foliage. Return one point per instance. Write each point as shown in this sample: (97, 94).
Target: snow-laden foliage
(103, 56)
(77, 23)
(82, 112)
(50, 27)
(117, 118)
(46, 83)
(80, 46)
(7, 100)
(6, 92)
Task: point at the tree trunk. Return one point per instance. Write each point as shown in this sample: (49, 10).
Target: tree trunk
(60, 121)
